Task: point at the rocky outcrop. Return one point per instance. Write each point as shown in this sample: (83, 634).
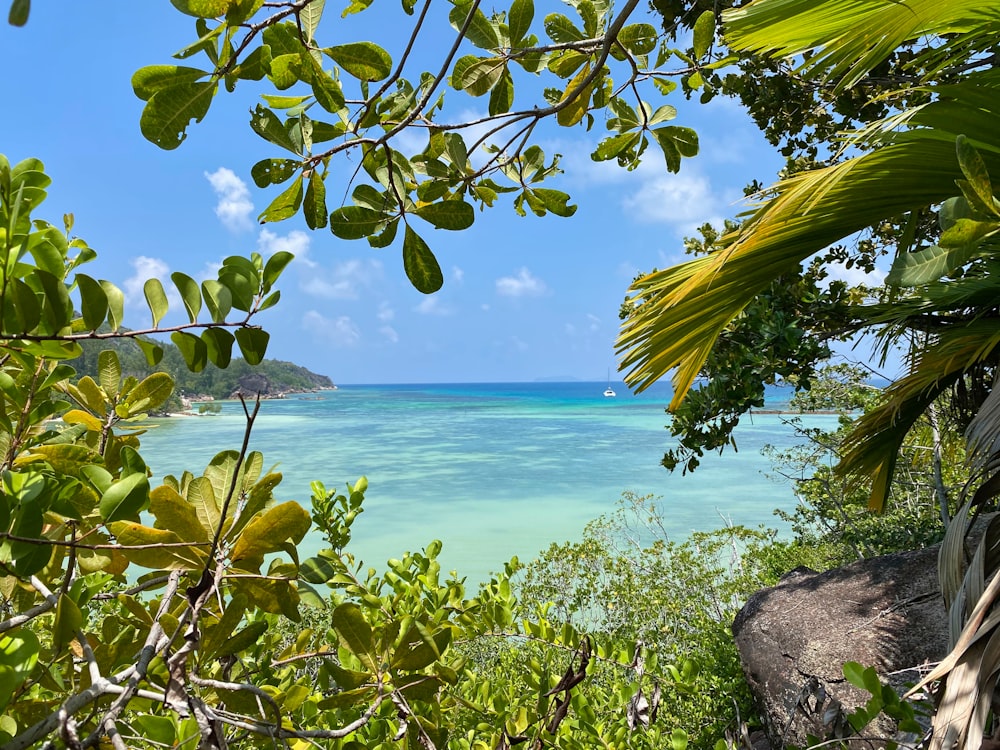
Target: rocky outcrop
(794, 638)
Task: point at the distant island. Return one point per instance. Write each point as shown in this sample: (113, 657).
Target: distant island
(272, 378)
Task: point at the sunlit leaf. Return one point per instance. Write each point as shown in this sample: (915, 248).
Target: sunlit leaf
(704, 33)
(355, 222)
(125, 498)
(93, 302)
(267, 532)
(285, 206)
(422, 268)
(156, 298)
(353, 629)
(365, 61)
(454, 215)
(314, 207)
(165, 117)
(190, 294)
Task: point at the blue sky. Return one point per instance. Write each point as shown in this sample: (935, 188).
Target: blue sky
(523, 299)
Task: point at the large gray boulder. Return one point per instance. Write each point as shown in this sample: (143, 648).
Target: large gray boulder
(794, 638)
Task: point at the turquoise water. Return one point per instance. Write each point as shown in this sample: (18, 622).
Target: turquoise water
(493, 470)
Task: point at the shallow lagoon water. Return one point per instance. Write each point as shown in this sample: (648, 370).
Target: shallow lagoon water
(493, 470)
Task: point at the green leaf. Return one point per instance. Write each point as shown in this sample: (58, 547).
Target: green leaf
(166, 115)
(156, 298)
(309, 18)
(190, 294)
(561, 30)
(268, 532)
(116, 304)
(704, 33)
(218, 299)
(125, 498)
(453, 215)
(18, 16)
(143, 546)
(174, 513)
(611, 147)
(328, 92)
(93, 302)
(242, 640)
(355, 222)
(314, 207)
(676, 142)
(18, 657)
(927, 265)
(273, 171)
(974, 169)
(353, 630)
(253, 344)
(480, 31)
(419, 648)
(267, 125)
(153, 78)
(576, 108)
(421, 266)
(27, 311)
(109, 372)
(662, 114)
(555, 201)
(519, 19)
(218, 346)
(477, 75)
(274, 266)
(386, 236)
(363, 60)
(638, 38)
(285, 206)
(502, 95)
(192, 349)
(203, 8)
(151, 350)
(151, 393)
(68, 621)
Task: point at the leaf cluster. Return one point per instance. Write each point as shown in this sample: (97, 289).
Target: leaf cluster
(326, 102)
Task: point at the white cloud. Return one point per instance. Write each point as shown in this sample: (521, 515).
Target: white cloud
(457, 274)
(340, 331)
(854, 276)
(389, 333)
(684, 201)
(385, 312)
(432, 305)
(344, 281)
(149, 268)
(234, 206)
(524, 284)
(595, 322)
(295, 242)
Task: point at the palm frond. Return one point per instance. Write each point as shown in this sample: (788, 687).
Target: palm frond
(682, 310)
(847, 38)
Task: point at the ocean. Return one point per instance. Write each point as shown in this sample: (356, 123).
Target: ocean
(492, 470)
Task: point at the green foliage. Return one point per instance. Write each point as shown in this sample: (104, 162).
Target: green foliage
(593, 63)
(626, 582)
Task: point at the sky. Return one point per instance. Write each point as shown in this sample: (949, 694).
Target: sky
(524, 298)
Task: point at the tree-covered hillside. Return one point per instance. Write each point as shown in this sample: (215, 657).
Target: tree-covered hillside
(269, 378)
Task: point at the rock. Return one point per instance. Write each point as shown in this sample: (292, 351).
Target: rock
(794, 638)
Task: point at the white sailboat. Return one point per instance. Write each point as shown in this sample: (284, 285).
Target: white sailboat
(607, 391)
